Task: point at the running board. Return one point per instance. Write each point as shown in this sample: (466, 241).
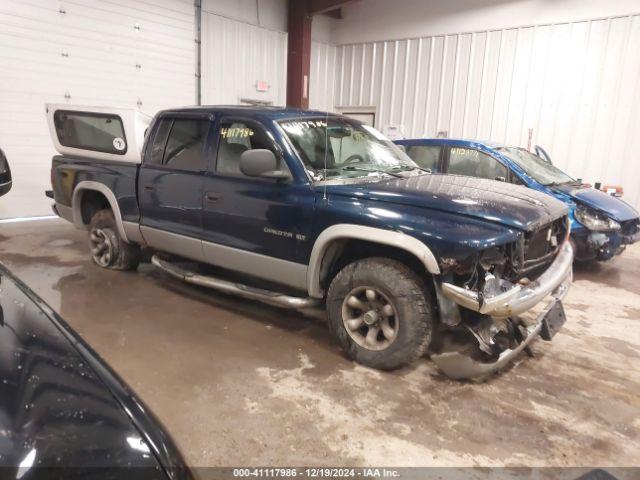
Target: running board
(252, 293)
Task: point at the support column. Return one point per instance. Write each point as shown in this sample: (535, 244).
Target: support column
(298, 54)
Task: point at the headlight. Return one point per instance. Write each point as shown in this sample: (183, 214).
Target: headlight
(595, 220)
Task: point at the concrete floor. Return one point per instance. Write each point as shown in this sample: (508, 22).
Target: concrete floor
(239, 383)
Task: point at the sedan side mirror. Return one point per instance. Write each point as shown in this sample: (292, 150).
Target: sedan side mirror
(262, 163)
(501, 179)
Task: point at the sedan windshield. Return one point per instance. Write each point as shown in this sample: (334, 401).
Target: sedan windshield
(534, 166)
(337, 148)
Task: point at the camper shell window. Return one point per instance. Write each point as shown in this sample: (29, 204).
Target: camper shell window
(98, 132)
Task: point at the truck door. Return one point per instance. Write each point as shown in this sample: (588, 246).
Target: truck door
(252, 225)
(170, 185)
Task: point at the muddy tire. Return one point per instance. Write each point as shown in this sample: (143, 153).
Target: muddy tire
(108, 249)
(380, 312)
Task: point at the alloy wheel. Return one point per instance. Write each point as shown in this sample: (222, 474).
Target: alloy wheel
(102, 248)
(370, 318)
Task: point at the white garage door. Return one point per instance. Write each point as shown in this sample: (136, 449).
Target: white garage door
(88, 52)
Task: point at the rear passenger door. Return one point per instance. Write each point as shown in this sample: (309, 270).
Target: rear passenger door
(171, 185)
(474, 163)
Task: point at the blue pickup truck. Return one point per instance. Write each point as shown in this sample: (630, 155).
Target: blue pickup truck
(601, 225)
(302, 209)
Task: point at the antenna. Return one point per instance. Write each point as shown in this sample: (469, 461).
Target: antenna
(326, 148)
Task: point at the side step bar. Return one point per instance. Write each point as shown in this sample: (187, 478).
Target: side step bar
(252, 293)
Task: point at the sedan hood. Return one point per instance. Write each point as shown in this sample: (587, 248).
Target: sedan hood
(615, 208)
(489, 200)
(60, 405)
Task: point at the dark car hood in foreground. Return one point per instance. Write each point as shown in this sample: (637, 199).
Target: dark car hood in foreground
(490, 200)
(612, 206)
(61, 406)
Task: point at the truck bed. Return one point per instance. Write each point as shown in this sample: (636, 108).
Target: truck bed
(119, 177)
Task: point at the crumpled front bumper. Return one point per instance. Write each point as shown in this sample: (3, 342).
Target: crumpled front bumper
(458, 366)
(518, 299)
(553, 283)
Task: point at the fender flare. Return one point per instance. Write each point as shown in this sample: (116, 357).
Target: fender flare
(360, 232)
(87, 185)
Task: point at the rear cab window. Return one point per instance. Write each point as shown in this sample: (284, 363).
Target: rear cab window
(98, 132)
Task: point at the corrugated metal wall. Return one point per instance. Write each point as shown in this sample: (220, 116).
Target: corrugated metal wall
(577, 85)
(90, 52)
(323, 74)
(237, 55)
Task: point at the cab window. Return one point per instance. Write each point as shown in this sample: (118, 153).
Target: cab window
(185, 145)
(474, 163)
(160, 141)
(426, 156)
(235, 138)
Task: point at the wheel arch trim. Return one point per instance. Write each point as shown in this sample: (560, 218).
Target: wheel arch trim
(87, 185)
(347, 231)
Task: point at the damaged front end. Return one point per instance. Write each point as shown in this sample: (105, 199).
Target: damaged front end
(487, 296)
(604, 245)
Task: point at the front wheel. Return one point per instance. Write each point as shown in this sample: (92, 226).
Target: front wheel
(108, 249)
(381, 313)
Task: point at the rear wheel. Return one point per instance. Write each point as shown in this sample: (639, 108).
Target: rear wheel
(108, 249)
(380, 312)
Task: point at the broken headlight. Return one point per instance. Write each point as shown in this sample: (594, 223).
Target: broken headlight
(594, 220)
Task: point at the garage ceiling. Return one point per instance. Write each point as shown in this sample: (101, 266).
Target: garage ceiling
(111, 52)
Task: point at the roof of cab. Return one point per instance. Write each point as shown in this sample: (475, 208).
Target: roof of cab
(274, 113)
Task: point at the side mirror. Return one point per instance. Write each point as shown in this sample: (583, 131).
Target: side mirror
(501, 179)
(261, 163)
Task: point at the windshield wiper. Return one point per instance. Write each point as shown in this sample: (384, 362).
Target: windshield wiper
(411, 167)
(566, 182)
(372, 170)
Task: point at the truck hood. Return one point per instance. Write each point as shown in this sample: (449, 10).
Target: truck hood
(615, 208)
(489, 200)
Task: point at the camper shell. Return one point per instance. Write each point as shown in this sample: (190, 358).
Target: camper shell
(98, 133)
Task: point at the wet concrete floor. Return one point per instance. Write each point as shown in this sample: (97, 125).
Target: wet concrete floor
(240, 383)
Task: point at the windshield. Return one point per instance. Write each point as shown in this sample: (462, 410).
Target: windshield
(344, 149)
(541, 171)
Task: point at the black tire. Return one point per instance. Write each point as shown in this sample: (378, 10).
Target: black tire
(108, 249)
(411, 302)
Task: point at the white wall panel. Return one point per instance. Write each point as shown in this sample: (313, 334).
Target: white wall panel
(576, 85)
(237, 55)
(91, 54)
(323, 72)
(270, 14)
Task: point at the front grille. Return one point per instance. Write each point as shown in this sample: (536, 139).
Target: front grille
(537, 249)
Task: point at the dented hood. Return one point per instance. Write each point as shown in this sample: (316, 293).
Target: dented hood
(489, 200)
(615, 208)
